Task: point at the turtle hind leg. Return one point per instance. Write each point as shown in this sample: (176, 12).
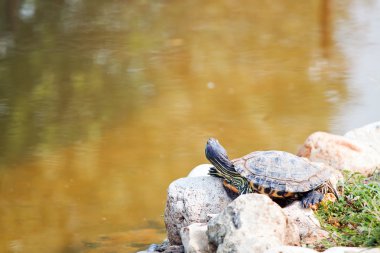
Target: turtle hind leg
(311, 198)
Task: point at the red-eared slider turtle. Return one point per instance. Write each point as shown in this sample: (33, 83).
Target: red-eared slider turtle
(278, 174)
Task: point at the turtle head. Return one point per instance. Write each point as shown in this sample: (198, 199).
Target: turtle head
(224, 168)
(217, 155)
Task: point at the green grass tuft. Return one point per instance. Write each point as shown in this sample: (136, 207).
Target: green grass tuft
(353, 220)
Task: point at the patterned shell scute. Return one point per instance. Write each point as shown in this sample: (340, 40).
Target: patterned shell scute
(281, 171)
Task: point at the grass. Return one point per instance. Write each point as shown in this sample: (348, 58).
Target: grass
(353, 220)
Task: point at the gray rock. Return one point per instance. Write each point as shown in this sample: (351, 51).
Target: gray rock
(194, 238)
(152, 248)
(351, 250)
(358, 150)
(174, 249)
(163, 246)
(290, 249)
(251, 223)
(190, 200)
(200, 171)
(309, 228)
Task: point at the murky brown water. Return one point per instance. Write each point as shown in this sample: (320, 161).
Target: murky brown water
(104, 103)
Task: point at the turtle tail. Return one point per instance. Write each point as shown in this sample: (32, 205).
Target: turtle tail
(332, 188)
(329, 187)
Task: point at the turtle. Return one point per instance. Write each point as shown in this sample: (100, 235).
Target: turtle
(278, 174)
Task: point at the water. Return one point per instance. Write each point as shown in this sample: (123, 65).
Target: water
(104, 103)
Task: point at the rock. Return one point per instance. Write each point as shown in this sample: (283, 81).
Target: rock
(358, 150)
(157, 247)
(290, 249)
(152, 248)
(368, 134)
(163, 246)
(351, 250)
(194, 238)
(174, 249)
(200, 170)
(191, 200)
(251, 223)
(309, 228)
(292, 234)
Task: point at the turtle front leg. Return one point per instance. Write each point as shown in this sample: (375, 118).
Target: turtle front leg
(230, 186)
(241, 188)
(311, 198)
(231, 190)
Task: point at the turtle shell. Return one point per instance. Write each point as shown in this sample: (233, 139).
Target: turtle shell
(279, 173)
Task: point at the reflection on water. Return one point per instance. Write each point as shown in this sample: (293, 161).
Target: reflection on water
(362, 52)
(104, 103)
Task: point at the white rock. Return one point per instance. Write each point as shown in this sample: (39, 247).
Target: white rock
(308, 225)
(368, 134)
(191, 200)
(194, 238)
(290, 249)
(351, 250)
(251, 223)
(358, 150)
(200, 171)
